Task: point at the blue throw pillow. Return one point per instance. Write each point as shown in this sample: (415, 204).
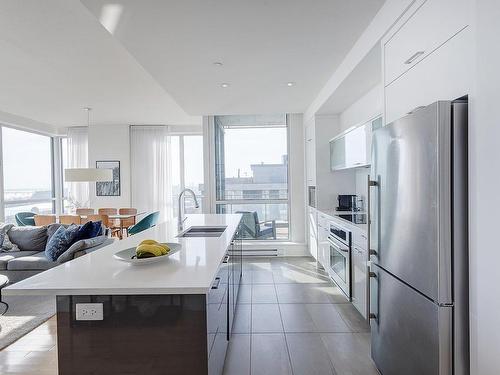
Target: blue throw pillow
(88, 230)
(60, 241)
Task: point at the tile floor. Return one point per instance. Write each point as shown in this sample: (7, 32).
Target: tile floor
(290, 320)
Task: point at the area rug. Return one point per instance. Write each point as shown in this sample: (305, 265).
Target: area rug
(25, 314)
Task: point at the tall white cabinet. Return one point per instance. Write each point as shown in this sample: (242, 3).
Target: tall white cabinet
(427, 56)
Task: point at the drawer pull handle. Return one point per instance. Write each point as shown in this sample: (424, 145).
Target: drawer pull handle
(373, 316)
(414, 57)
(373, 252)
(372, 274)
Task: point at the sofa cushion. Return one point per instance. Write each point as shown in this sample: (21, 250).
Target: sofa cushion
(52, 228)
(62, 239)
(29, 238)
(80, 246)
(37, 261)
(5, 242)
(90, 229)
(6, 257)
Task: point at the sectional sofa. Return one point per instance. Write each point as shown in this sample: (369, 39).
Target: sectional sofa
(31, 259)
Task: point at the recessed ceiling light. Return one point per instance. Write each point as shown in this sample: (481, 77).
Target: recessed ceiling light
(218, 63)
(290, 84)
(224, 85)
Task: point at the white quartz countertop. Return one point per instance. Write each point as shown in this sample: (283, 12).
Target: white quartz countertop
(190, 271)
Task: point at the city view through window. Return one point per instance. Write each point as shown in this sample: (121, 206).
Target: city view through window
(27, 172)
(252, 173)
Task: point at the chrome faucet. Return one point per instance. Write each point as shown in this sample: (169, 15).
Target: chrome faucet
(182, 207)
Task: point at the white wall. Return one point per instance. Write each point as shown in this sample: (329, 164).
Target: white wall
(365, 108)
(111, 142)
(329, 184)
(296, 184)
(484, 185)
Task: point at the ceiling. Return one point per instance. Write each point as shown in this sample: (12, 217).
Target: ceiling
(56, 58)
(263, 45)
(152, 61)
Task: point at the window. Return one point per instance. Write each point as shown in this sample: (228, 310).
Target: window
(27, 171)
(163, 163)
(251, 172)
(187, 169)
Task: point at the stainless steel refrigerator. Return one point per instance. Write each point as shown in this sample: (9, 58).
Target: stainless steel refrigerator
(418, 241)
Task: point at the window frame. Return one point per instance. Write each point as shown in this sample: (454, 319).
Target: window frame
(212, 191)
(53, 167)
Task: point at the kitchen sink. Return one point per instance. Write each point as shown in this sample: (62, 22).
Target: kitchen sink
(202, 231)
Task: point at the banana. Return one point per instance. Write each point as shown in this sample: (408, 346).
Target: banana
(165, 246)
(149, 242)
(145, 250)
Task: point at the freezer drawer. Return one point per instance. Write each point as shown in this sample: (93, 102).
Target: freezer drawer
(409, 333)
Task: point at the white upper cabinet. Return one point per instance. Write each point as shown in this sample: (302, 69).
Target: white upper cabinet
(427, 56)
(431, 25)
(444, 75)
(352, 148)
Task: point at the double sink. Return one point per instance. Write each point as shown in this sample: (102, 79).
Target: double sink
(203, 231)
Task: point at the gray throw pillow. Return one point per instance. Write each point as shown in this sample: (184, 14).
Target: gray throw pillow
(79, 246)
(5, 241)
(29, 238)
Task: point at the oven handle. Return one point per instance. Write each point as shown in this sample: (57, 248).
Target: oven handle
(330, 240)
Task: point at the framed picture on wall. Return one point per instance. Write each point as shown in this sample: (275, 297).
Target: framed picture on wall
(109, 188)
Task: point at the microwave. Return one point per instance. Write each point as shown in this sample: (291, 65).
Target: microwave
(311, 196)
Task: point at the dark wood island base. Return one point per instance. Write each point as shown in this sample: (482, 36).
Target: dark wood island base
(152, 334)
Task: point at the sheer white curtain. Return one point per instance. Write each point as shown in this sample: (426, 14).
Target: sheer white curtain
(151, 170)
(78, 157)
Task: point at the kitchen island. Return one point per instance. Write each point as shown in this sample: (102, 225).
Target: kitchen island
(170, 317)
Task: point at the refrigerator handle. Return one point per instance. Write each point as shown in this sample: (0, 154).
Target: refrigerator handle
(371, 315)
(370, 183)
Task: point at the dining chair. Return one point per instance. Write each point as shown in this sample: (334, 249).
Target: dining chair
(84, 211)
(126, 223)
(70, 219)
(147, 222)
(25, 218)
(107, 211)
(41, 220)
(110, 211)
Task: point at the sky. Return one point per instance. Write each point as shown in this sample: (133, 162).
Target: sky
(245, 146)
(26, 160)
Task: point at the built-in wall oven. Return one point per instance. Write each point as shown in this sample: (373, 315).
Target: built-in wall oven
(340, 240)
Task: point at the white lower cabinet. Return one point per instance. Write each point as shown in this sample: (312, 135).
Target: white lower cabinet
(323, 246)
(358, 278)
(313, 232)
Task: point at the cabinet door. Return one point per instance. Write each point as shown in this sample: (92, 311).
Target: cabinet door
(323, 248)
(359, 270)
(337, 153)
(430, 26)
(313, 233)
(217, 321)
(443, 75)
(355, 147)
